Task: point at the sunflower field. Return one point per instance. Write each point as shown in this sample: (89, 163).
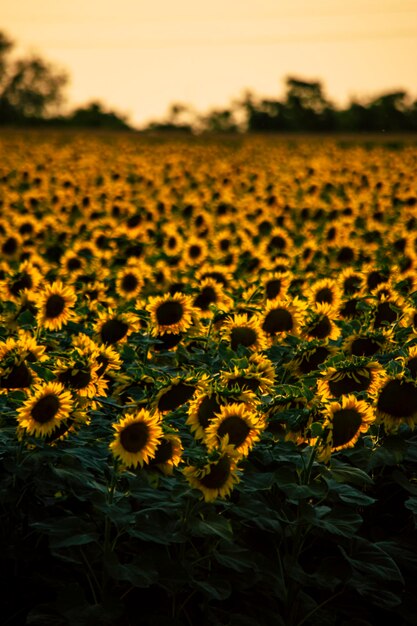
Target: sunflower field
(208, 381)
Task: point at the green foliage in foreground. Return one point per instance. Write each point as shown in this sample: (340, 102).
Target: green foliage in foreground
(298, 542)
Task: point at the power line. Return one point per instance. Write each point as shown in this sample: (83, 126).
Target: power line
(254, 41)
(68, 19)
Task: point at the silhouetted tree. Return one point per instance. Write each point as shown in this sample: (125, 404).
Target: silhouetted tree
(306, 107)
(219, 121)
(30, 88)
(94, 115)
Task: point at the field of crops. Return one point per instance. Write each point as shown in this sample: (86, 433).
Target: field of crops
(208, 381)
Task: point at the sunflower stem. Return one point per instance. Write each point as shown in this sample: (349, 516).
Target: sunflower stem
(107, 547)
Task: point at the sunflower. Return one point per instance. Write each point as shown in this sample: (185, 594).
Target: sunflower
(170, 313)
(201, 411)
(137, 438)
(210, 292)
(325, 290)
(349, 377)
(351, 281)
(275, 284)
(320, 323)
(238, 423)
(177, 393)
(279, 243)
(309, 359)
(26, 277)
(241, 330)
(15, 372)
(388, 310)
(410, 362)
(45, 410)
(129, 281)
(287, 419)
(367, 343)
(282, 317)
(55, 303)
(195, 251)
(397, 403)
(344, 421)
(168, 454)
(114, 328)
(80, 375)
(107, 358)
(216, 478)
(256, 374)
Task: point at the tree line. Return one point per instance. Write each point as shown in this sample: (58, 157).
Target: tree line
(32, 94)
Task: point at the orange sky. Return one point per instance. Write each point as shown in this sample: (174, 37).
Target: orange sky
(138, 56)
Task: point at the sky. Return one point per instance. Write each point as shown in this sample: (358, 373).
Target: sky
(140, 56)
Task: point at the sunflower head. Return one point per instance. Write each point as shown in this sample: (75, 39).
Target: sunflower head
(137, 438)
(216, 478)
(238, 424)
(344, 422)
(170, 313)
(47, 409)
(55, 305)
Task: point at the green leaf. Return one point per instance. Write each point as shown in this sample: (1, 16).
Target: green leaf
(349, 494)
(143, 575)
(218, 591)
(346, 474)
(372, 561)
(213, 527)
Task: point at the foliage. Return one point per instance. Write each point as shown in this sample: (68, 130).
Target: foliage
(143, 281)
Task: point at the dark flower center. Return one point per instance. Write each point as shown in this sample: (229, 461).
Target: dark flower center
(278, 320)
(244, 382)
(277, 243)
(325, 295)
(321, 329)
(45, 409)
(242, 336)
(9, 246)
(167, 341)
(364, 346)
(412, 366)
(113, 331)
(272, 288)
(345, 254)
(311, 360)
(236, 428)
(74, 264)
(177, 395)
(205, 298)
(164, 451)
(169, 313)
(351, 285)
(80, 380)
(24, 282)
(218, 475)
(350, 308)
(349, 383)
(194, 251)
(54, 306)
(385, 313)
(208, 407)
(20, 377)
(129, 282)
(346, 423)
(134, 437)
(398, 399)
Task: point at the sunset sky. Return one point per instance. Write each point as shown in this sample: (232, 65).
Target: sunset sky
(138, 56)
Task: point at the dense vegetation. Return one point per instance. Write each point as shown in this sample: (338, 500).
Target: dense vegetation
(208, 381)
